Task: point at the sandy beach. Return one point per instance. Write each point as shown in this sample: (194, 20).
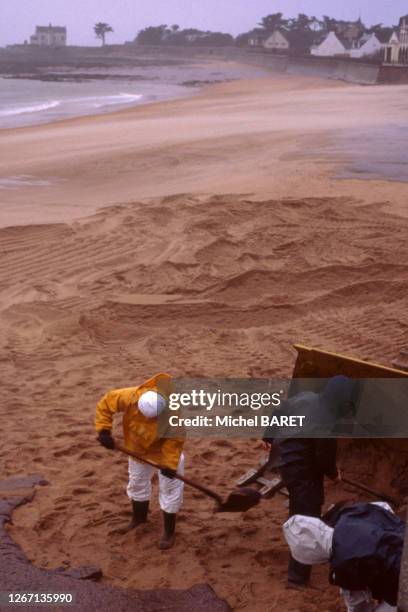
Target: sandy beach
(261, 137)
(203, 237)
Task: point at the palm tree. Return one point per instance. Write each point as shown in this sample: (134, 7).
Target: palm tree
(101, 29)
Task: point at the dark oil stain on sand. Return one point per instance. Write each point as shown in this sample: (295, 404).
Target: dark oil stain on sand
(18, 575)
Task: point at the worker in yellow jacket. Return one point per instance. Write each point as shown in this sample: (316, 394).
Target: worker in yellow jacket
(141, 406)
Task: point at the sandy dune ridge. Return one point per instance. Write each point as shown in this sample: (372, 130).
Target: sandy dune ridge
(197, 286)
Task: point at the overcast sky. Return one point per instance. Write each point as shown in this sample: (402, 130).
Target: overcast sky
(127, 17)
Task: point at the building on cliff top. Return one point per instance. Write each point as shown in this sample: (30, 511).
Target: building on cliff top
(49, 36)
(396, 52)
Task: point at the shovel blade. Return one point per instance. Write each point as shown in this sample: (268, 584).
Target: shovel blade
(240, 500)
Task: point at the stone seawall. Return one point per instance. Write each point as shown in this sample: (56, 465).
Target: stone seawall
(338, 69)
(393, 75)
(330, 68)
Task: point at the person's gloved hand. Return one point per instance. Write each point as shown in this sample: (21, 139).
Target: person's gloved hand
(105, 438)
(168, 472)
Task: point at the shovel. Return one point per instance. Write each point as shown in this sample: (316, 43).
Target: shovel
(239, 500)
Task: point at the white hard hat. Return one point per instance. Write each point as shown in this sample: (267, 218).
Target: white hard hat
(309, 539)
(151, 404)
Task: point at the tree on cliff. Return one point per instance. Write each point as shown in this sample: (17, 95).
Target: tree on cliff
(153, 35)
(329, 24)
(303, 22)
(270, 23)
(101, 29)
(163, 35)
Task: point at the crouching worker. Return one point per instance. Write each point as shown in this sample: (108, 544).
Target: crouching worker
(141, 407)
(305, 462)
(364, 549)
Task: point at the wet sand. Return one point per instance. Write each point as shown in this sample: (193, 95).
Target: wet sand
(379, 154)
(234, 251)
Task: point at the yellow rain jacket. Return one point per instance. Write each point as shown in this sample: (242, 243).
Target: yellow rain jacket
(140, 434)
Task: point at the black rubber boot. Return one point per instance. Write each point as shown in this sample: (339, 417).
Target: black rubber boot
(298, 573)
(140, 510)
(169, 527)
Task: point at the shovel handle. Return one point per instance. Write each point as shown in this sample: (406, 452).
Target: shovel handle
(187, 481)
(362, 487)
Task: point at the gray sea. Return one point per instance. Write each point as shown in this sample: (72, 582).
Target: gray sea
(25, 102)
(66, 92)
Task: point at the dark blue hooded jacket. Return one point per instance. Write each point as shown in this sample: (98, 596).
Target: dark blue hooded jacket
(312, 457)
(367, 550)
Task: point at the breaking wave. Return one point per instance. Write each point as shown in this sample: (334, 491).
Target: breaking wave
(122, 98)
(35, 108)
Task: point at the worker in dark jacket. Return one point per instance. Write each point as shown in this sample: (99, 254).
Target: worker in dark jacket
(364, 548)
(304, 462)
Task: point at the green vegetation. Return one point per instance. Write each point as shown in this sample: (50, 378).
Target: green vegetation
(101, 29)
(303, 27)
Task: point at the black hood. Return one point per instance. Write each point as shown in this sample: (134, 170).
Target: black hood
(337, 394)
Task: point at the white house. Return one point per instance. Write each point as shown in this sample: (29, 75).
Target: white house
(49, 36)
(256, 37)
(396, 51)
(194, 37)
(330, 46)
(315, 25)
(367, 46)
(277, 41)
(391, 51)
(294, 42)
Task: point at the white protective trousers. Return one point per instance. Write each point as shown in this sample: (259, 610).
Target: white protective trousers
(361, 601)
(170, 489)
